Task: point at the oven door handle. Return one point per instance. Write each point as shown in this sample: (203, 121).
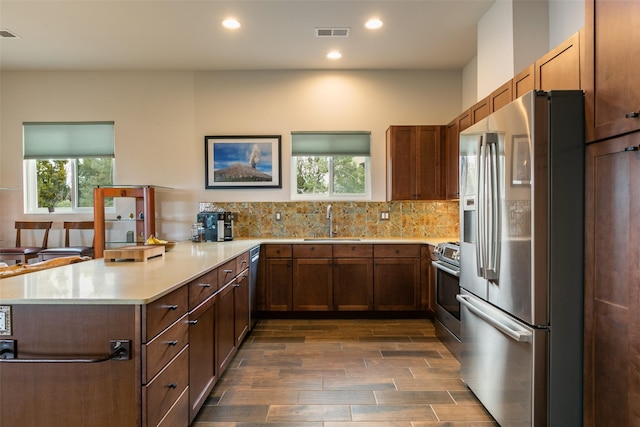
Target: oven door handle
(441, 266)
(502, 326)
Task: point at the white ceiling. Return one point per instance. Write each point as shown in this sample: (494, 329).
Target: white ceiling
(187, 35)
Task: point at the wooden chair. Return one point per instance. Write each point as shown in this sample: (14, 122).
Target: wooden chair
(68, 250)
(22, 254)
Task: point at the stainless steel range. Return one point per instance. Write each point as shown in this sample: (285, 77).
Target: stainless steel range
(447, 272)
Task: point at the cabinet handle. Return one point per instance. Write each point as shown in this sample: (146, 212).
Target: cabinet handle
(632, 115)
(632, 148)
(193, 322)
(227, 271)
(244, 261)
(204, 285)
(172, 307)
(173, 385)
(172, 342)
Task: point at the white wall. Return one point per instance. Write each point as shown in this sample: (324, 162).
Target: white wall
(566, 17)
(161, 119)
(495, 48)
(512, 35)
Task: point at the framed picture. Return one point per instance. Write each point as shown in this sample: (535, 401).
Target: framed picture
(520, 160)
(242, 161)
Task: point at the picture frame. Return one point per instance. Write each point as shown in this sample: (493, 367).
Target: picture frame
(243, 161)
(520, 160)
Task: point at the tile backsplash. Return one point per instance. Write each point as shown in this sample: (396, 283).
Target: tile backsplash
(351, 219)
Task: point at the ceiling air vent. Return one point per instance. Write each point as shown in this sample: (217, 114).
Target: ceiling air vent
(332, 32)
(6, 34)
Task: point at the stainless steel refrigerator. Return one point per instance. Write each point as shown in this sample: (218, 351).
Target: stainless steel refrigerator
(521, 254)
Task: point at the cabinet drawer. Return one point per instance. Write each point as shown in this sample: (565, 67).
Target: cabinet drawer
(242, 262)
(160, 350)
(312, 251)
(202, 288)
(278, 251)
(178, 415)
(352, 251)
(396, 251)
(164, 311)
(226, 272)
(165, 389)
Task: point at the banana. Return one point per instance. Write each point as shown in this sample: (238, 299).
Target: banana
(153, 240)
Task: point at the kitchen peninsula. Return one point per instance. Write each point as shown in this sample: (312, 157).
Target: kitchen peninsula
(170, 324)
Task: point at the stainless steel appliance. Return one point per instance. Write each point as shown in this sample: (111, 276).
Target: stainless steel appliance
(447, 273)
(254, 257)
(521, 260)
(218, 226)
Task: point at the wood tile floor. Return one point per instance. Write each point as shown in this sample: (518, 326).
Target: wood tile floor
(343, 373)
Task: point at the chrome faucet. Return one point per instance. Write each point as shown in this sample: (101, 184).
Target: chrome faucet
(330, 218)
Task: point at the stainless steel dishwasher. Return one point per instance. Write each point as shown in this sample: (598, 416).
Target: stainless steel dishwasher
(254, 256)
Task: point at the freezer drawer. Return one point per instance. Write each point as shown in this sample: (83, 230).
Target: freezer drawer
(503, 362)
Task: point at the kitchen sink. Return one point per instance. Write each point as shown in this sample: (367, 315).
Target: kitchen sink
(329, 239)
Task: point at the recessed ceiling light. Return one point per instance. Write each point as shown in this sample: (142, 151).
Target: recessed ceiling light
(373, 24)
(231, 23)
(334, 54)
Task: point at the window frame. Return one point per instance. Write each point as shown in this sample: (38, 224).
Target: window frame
(69, 142)
(30, 179)
(330, 195)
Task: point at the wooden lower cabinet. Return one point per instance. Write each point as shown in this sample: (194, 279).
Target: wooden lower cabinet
(312, 278)
(396, 277)
(164, 390)
(225, 327)
(71, 394)
(241, 301)
(612, 278)
(202, 354)
(353, 284)
(353, 277)
(278, 282)
(180, 344)
(347, 277)
(396, 284)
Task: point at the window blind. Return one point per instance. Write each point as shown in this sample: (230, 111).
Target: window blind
(68, 140)
(355, 143)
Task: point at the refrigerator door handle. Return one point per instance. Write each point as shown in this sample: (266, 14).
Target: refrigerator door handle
(492, 236)
(500, 324)
(481, 191)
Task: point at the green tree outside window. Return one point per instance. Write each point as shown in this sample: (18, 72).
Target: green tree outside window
(53, 190)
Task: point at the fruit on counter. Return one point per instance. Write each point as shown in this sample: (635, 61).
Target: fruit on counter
(153, 240)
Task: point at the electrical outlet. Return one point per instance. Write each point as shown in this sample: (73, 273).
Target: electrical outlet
(5, 320)
(278, 216)
(384, 216)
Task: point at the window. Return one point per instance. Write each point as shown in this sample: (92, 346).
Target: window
(63, 162)
(330, 165)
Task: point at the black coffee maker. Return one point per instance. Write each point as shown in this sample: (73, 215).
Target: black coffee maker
(218, 226)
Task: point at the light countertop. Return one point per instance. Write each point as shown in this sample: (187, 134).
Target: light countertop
(100, 282)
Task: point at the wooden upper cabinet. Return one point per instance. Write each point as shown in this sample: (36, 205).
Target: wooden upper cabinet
(524, 81)
(480, 110)
(414, 163)
(464, 120)
(559, 69)
(452, 168)
(612, 61)
(501, 96)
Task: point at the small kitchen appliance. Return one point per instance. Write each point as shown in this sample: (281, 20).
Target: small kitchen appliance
(218, 226)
